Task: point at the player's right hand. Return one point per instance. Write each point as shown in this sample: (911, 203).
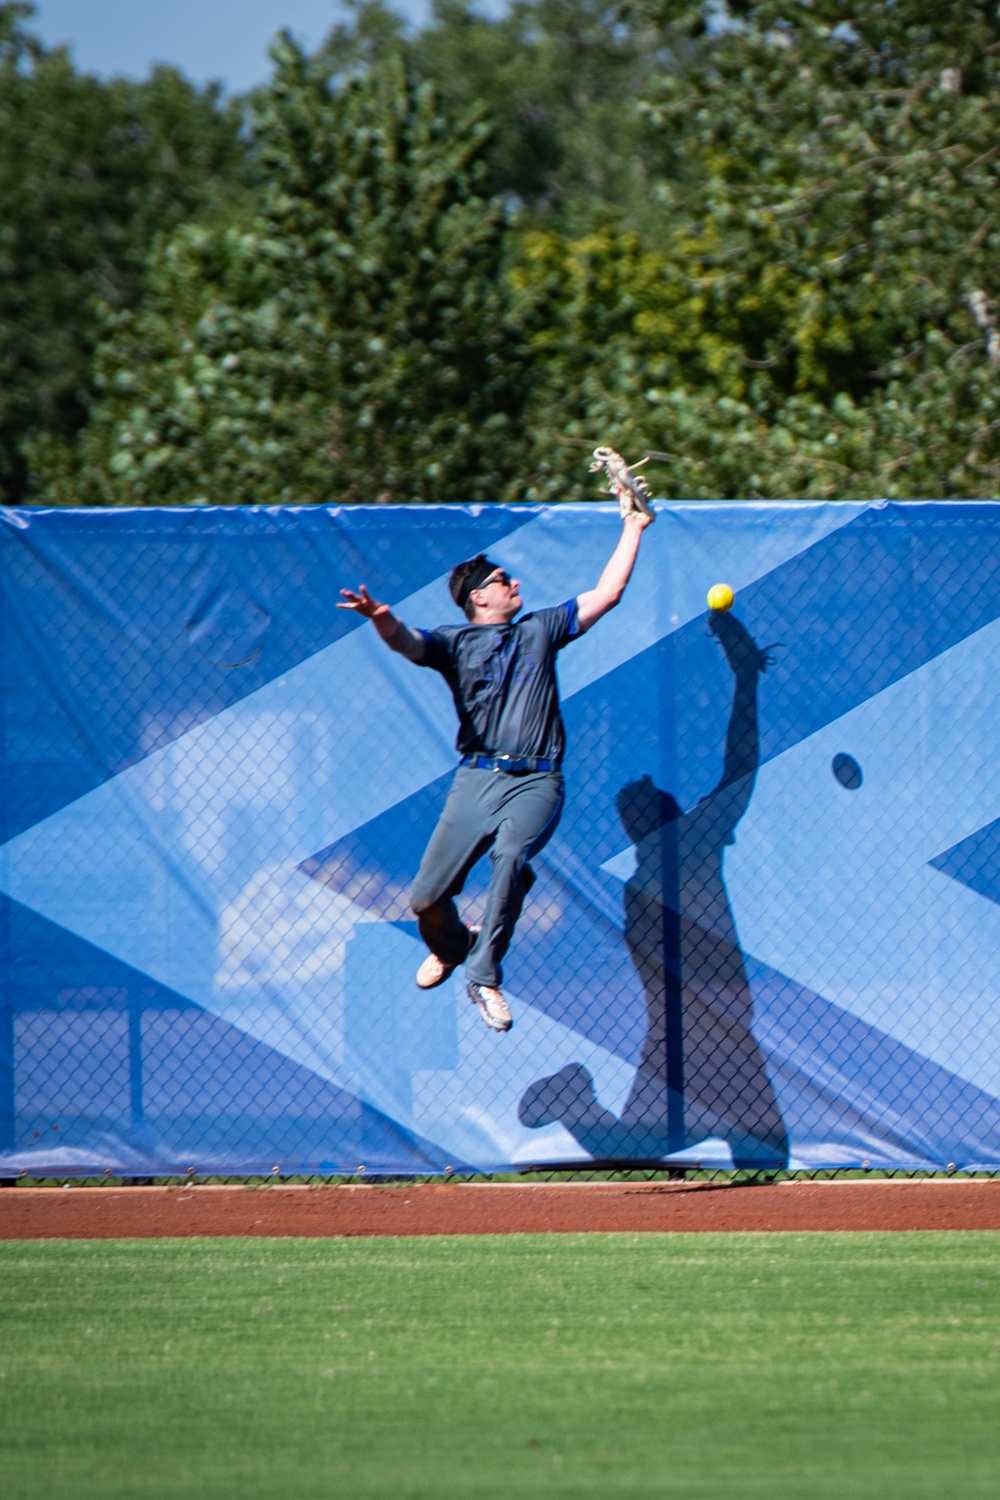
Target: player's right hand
(361, 602)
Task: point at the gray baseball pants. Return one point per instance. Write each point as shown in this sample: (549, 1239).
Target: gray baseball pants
(510, 816)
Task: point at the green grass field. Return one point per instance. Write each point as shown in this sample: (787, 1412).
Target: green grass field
(606, 1365)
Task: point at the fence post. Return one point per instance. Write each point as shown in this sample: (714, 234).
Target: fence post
(135, 1008)
(8, 1140)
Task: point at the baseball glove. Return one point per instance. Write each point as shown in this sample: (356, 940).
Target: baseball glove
(629, 489)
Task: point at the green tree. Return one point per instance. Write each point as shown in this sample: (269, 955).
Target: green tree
(90, 174)
(779, 266)
(822, 319)
(353, 338)
(560, 81)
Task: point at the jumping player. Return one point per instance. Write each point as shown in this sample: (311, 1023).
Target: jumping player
(507, 794)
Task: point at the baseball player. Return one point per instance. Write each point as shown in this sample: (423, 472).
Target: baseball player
(507, 794)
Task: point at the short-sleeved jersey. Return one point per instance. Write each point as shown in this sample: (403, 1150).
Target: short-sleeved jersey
(503, 681)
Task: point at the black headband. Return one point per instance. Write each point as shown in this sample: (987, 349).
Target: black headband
(474, 578)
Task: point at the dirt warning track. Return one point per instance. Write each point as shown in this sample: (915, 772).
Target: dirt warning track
(487, 1208)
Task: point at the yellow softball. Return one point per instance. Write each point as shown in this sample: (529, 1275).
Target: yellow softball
(720, 596)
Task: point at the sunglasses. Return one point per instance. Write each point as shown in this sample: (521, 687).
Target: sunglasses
(500, 577)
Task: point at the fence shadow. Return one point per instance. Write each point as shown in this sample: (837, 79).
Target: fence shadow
(701, 1073)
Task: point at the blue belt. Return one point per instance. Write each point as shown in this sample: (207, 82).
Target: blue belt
(514, 765)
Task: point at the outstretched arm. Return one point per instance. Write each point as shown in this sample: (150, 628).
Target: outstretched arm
(397, 636)
(617, 572)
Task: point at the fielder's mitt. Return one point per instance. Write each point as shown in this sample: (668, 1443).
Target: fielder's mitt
(629, 489)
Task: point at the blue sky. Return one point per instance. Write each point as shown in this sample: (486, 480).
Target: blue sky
(206, 39)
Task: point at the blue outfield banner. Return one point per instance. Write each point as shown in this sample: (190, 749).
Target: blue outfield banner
(766, 932)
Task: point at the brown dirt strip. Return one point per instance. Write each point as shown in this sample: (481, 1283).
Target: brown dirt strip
(492, 1208)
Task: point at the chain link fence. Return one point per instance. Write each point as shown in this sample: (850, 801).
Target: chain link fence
(764, 938)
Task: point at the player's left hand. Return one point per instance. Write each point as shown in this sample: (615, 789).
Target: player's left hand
(638, 519)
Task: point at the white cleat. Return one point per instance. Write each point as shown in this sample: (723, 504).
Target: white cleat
(434, 971)
(494, 1008)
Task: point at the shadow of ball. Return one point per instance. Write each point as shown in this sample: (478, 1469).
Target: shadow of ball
(847, 771)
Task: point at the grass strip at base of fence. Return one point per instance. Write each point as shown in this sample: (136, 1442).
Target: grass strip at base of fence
(605, 1365)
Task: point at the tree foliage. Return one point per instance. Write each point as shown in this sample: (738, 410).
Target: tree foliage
(351, 339)
(560, 80)
(90, 174)
(761, 240)
(820, 320)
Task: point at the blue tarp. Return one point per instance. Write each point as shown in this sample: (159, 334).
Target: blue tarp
(767, 930)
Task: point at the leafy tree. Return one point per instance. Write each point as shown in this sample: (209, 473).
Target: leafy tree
(353, 338)
(822, 320)
(90, 173)
(560, 81)
(779, 267)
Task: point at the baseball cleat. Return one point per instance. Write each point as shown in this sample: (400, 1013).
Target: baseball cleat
(494, 1008)
(434, 971)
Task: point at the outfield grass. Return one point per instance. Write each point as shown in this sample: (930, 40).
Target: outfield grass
(606, 1365)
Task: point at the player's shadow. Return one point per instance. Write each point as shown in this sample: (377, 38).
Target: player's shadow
(701, 1072)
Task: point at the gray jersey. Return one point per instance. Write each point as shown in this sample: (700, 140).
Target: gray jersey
(503, 681)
